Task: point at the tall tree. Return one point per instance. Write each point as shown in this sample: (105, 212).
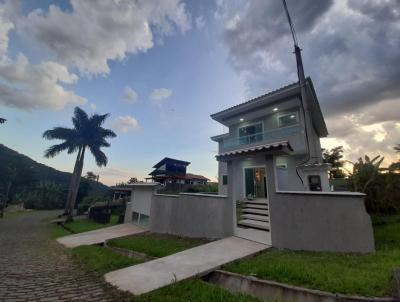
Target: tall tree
(334, 157)
(132, 180)
(2, 120)
(87, 133)
(91, 176)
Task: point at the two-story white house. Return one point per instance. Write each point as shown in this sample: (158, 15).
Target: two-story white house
(272, 124)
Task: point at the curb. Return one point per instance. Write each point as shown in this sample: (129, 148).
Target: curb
(274, 291)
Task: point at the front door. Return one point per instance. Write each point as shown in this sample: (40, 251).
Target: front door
(255, 182)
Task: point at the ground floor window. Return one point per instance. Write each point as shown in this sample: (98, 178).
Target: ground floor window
(140, 219)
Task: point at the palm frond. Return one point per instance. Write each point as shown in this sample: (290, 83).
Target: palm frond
(80, 118)
(98, 119)
(56, 149)
(107, 133)
(60, 133)
(99, 156)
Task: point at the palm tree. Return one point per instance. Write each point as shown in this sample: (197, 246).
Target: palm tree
(86, 134)
(397, 148)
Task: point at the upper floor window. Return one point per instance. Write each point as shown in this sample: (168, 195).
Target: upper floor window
(251, 133)
(288, 119)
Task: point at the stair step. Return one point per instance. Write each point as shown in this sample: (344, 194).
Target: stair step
(254, 224)
(264, 202)
(256, 211)
(255, 217)
(256, 206)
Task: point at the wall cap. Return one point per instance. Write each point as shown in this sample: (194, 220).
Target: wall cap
(166, 195)
(204, 195)
(340, 193)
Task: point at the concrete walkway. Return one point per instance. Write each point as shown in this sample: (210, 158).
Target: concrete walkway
(143, 278)
(101, 235)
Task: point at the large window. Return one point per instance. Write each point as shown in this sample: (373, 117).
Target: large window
(288, 119)
(250, 134)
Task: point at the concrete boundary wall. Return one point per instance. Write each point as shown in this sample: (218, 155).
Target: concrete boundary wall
(318, 221)
(267, 290)
(321, 222)
(192, 215)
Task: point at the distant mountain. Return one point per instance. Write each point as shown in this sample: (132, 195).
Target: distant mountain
(40, 172)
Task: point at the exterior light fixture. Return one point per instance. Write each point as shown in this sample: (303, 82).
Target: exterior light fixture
(241, 119)
(292, 116)
(275, 109)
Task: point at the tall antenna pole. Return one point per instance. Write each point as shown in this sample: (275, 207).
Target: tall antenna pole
(302, 83)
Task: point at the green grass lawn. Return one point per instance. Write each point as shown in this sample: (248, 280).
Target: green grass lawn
(193, 290)
(156, 245)
(354, 274)
(102, 260)
(79, 226)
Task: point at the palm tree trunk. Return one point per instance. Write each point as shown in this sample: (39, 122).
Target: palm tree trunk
(72, 184)
(75, 188)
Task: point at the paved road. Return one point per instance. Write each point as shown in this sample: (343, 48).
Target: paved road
(34, 268)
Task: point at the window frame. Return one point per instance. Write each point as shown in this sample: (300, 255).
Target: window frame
(255, 134)
(297, 118)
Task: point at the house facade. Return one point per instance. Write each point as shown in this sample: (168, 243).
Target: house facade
(273, 184)
(174, 171)
(271, 125)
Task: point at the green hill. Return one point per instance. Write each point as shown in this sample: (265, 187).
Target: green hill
(27, 170)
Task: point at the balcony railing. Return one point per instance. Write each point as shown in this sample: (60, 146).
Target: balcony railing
(282, 133)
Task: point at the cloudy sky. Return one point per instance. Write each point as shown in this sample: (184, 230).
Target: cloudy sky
(161, 67)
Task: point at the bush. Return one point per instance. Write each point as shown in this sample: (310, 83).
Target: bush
(43, 196)
(82, 209)
(208, 188)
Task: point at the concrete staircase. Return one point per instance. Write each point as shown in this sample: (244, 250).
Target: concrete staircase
(255, 215)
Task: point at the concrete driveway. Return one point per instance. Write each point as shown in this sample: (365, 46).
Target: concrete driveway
(100, 236)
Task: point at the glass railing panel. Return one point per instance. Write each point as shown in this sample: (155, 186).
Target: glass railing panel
(262, 136)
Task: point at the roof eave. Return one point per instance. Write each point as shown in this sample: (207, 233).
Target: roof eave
(321, 128)
(237, 109)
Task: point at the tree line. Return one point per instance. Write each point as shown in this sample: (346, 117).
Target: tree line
(367, 175)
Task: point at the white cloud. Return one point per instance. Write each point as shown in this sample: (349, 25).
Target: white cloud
(159, 94)
(93, 32)
(130, 95)
(5, 26)
(371, 130)
(27, 86)
(125, 124)
(93, 106)
(199, 21)
(31, 86)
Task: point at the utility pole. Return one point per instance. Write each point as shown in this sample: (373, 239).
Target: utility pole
(303, 92)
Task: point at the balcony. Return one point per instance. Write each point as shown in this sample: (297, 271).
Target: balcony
(269, 136)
